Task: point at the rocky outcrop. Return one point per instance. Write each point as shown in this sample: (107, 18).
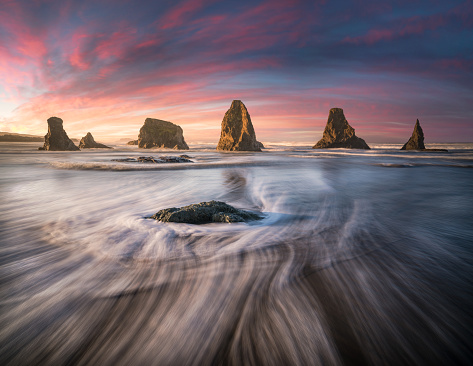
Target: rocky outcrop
(158, 133)
(339, 134)
(237, 133)
(56, 139)
(203, 213)
(132, 142)
(88, 142)
(260, 145)
(416, 142)
(159, 160)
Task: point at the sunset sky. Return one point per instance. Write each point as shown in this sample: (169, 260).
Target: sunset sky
(104, 66)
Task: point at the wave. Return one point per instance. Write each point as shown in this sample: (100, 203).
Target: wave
(419, 165)
(350, 265)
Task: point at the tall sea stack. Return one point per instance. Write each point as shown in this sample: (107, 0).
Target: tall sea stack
(238, 133)
(158, 133)
(339, 134)
(416, 142)
(56, 139)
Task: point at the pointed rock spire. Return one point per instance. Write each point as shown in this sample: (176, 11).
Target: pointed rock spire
(339, 134)
(238, 133)
(416, 142)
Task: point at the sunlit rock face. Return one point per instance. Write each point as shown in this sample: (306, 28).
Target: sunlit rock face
(56, 139)
(158, 133)
(88, 142)
(339, 134)
(238, 133)
(416, 142)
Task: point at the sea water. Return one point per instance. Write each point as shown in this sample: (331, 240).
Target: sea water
(362, 257)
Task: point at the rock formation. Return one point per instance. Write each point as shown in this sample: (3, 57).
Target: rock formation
(157, 133)
(203, 213)
(159, 160)
(237, 133)
(132, 142)
(88, 142)
(339, 134)
(260, 145)
(416, 142)
(56, 139)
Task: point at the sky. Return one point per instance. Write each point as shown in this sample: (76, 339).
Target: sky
(103, 66)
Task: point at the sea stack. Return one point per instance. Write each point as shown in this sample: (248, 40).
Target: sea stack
(56, 139)
(237, 133)
(88, 142)
(416, 142)
(158, 133)
(339, 134)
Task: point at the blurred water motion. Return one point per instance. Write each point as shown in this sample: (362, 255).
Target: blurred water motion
(360, 259)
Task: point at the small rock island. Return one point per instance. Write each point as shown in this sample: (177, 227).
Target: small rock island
(56, 139)
(88, 142)
(238, 133)
(164, 134)
(339, 134)
(204, 213)
(416, 141)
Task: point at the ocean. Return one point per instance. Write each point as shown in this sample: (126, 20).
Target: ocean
(362, 257)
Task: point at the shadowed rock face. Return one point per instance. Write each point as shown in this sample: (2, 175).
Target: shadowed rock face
(238, 133)
(88, 142)
(56, 139)
(203, 213)
(416, 142)
(339, 134)
(158, 133)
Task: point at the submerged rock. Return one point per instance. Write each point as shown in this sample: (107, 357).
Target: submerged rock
(416, 142)
(56, 139)
(339, 134)
(158, 133)
(203, 213)
(160, 160)
(237, 133)
(88, 142)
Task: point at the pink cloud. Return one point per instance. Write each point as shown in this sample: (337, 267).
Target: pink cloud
(181, 13)
(412, 26)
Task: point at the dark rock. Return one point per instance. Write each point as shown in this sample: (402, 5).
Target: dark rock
(56, 139)
(260, 145)
(203, 213)
(339, 134)
(237, 133)
(88, 142)
(157, 133)
(132, 142)
(185, 156)
(416, 142)
(151, 159)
